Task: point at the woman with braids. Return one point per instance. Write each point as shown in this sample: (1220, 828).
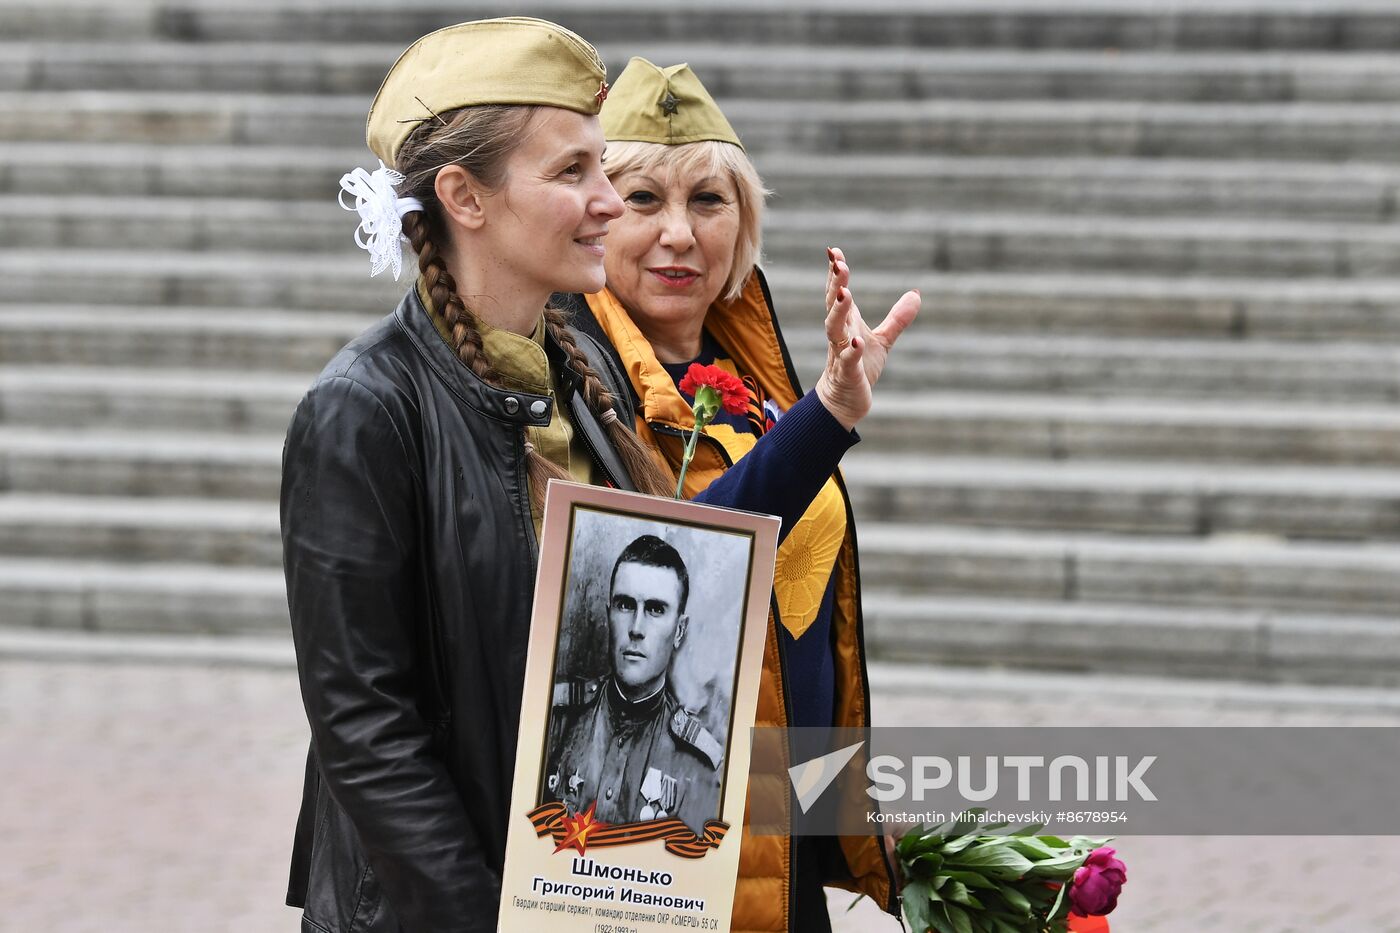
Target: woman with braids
(415, 467)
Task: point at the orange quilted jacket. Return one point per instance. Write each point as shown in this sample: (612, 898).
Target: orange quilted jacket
(748, 331)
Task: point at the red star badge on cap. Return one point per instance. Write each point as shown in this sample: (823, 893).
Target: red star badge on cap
(602, 94)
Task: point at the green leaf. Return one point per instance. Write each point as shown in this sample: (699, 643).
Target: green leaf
(1057, 867)
(993, 861)
(957, 845)
(970, 878)
(958, 918)
(955, 892)
(912, 841)
(858, 899)
(931, 861)
(1033, 848)
(916, 906)
(1030, 829)
(1059, 899)
(1087, 844)
(1016, 899)
(939, 922)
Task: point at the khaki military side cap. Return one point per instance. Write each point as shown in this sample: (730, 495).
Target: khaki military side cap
(663, 105)
(511, 60)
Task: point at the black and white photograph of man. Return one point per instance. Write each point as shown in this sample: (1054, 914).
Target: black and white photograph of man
(645, 670)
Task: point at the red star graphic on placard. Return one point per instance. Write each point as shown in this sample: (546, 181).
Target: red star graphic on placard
(577, 829)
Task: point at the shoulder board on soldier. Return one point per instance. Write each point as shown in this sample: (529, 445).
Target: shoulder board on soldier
(689, 730)
(576, 692)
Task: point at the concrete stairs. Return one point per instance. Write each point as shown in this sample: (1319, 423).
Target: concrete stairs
(1149, 421)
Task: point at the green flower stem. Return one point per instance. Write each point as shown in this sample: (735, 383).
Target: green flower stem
(685, 457)
(707, 402)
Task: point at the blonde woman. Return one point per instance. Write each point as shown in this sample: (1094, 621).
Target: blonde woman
(683, 288)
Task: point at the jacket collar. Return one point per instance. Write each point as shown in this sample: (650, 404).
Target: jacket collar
(510, 406)
(746, 327)
(513, 406)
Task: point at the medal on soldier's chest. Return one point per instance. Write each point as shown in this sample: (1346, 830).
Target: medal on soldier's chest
(659, 792)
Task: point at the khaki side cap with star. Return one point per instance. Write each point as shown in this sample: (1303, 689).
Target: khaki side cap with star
(510, 60)
(669, 106)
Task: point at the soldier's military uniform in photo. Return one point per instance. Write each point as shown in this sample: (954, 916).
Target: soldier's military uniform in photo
(623, 743)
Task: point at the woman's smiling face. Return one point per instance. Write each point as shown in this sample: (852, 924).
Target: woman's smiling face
(670, 253)
(551, 214)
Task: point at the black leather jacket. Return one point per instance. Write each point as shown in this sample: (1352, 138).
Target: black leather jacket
(410, 557)
(404, 501)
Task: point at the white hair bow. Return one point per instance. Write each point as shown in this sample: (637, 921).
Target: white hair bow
(381, 211)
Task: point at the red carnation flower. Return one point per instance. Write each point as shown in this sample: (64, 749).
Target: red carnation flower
(713, 389)
(733, 397)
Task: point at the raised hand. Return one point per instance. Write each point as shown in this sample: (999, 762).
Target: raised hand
(856, 354)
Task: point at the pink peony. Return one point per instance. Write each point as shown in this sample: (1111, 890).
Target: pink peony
(1097, 883)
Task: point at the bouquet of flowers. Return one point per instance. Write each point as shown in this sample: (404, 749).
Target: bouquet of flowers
(960, 879)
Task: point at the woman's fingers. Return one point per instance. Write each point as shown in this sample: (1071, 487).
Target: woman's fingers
(838, 319)
(901, 315)
(838, 274)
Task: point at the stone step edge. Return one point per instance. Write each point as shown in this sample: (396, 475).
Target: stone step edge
(873, 469)
(871, 59)
(865, 470)
(803, 336)
(1125, 636)
(1239, 549)
(894, 605)
(926, 405)
(262, 652)
(335, 158)
(349, 266)
(740, 109)
(903, 404)
(222, 211)
(183, 578)
(156, 513)
(887, 678)
(219, 515)
(896, 679)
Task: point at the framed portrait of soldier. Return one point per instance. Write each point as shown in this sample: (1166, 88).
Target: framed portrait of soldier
(641, 685)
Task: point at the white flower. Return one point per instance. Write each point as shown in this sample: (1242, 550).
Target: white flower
(380, 208)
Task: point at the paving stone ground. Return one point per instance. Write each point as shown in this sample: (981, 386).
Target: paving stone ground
(151, 797)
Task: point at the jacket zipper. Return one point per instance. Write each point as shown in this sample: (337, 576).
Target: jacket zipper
(522, 476)
(893, 905)
(782, 661)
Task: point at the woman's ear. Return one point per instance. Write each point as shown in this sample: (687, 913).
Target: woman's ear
(460, 196)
